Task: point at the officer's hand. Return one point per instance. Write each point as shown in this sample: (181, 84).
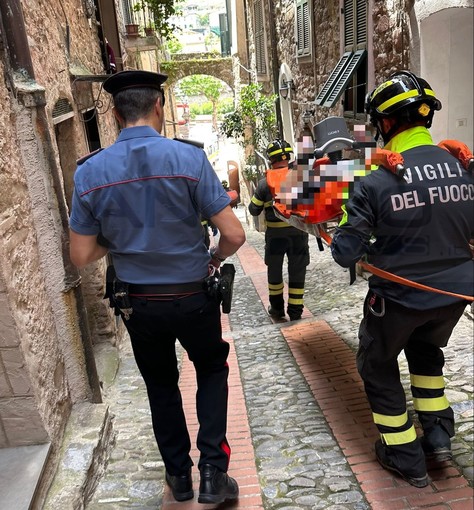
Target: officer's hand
(214, 264)
(216, 259)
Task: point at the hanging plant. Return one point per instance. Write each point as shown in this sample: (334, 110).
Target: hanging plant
(161, 12)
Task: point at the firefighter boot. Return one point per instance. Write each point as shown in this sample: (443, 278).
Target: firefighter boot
(294, 312)
(436, 444)
(277, 305)
(408, 462)
(278, 313)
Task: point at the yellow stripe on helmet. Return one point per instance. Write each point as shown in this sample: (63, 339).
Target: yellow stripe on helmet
(401, 97)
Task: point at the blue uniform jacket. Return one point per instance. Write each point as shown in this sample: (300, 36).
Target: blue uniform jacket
(146, 194)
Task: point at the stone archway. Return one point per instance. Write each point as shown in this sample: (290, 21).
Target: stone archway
(183, 65)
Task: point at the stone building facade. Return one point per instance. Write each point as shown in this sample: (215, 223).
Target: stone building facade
(306, 40)
(54, 57)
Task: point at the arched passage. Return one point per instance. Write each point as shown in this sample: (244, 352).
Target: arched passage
(183, 65)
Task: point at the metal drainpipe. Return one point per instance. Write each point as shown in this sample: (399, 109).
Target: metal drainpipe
(21, 62)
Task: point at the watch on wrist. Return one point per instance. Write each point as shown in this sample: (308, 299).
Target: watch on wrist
(216, 257)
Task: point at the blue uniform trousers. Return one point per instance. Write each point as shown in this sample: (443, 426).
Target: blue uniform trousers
(194, 320)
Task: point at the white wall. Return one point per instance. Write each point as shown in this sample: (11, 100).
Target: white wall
(446, 57)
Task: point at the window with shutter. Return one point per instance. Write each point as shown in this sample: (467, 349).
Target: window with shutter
(259, 32)
(303, 28)
(349, 77)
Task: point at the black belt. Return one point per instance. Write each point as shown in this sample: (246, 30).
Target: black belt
(165, 289)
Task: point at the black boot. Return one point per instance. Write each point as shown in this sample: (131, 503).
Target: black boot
(216, 486)
(294, 312)
(410, 466)
(181, 486)
(278, 313)
(436, 444)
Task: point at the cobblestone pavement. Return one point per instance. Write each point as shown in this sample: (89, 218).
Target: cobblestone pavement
(299, 462)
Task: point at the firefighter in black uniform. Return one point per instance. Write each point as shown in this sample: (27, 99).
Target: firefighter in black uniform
(417, 226)
(280, 239)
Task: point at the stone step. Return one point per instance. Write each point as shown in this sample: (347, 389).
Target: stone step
(21, 469)
(88, 440)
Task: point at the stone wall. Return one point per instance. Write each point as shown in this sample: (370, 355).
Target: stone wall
(391, 39)
(390, 48)
(42, 361)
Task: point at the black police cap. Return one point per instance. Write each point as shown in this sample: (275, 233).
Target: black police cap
(133, 79)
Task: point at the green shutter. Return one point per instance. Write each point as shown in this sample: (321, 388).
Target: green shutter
(361, 24)
(339, 78)
(348, 23)
(303, 28)
(334, 77)
(345, 78)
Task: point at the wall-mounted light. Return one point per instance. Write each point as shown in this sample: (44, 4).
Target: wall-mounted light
(286, 87)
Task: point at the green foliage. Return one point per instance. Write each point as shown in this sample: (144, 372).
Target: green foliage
(253, 122)
(201, 84)
(232, 126)
(212, 41)
(201, 109)
(226, 105)
(161, 11)
(173, 45)
(194, 109)
(207, 108)
(250, 171)
(203, 20)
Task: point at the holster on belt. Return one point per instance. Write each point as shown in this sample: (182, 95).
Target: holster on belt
(117, 293)
(226, 286)
(219, 286)
(109, 288)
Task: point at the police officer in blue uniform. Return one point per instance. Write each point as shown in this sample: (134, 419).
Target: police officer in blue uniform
(417, 226)
(141, 200)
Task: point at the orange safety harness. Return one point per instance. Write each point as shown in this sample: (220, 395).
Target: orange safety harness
(328, 206)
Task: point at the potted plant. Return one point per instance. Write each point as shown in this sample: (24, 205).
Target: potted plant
(150, 29)
(132, 30)
(160, 11)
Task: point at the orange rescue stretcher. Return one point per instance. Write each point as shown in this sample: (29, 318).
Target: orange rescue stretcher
(320, 211)
(313, 213)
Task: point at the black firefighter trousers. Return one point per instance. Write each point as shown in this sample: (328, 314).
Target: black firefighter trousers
(154, 327)
(386, 330)
(278, 243)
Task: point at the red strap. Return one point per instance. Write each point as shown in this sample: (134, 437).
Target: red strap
(403, 281)
(397, 279)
